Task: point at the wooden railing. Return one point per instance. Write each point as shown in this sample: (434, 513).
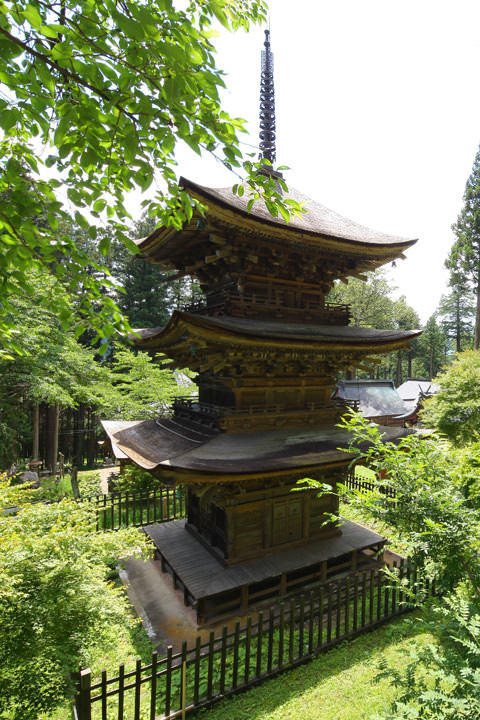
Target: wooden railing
(272, 642)
(192, 404)
(231, 303)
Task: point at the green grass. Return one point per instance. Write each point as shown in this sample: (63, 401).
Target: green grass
(364, 473)
(56, 488)
(339, 685)
(358, 515)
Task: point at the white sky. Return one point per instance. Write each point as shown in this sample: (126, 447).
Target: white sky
(378, 116)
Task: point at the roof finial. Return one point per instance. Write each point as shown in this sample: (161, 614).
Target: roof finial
(267, 104)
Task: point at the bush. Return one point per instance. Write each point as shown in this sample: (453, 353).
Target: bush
(135, 479)
(88, 483)
(55, 602)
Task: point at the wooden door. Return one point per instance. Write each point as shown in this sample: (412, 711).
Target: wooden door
(287, 521)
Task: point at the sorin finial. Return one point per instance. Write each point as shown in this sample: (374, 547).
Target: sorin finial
(267, 104)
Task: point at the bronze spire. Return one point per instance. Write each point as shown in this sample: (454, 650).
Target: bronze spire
(267, 104)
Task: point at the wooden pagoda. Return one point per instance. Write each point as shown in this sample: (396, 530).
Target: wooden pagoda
(267, 349)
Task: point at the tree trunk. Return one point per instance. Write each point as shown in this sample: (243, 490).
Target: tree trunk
(398, 374)
(78, 430)
(409, 364)
(91, 440)
(36, 431)
(431, 364)
(52, 436)
(476, 340)
(458, 329)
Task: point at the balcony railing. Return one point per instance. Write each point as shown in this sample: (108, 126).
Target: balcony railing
(231, 303)
(193, 406)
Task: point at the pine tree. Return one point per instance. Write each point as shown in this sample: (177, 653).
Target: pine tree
(464, 259)
(432, 349)
(149, 294)
(456, 312)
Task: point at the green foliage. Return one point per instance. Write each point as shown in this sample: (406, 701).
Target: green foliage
(55, 602)
(441, 682)
(138, 389)
(455, 410)
(134, 479)
(434, 513)
(456, 313)
(430, 513)
(52, 366)
(432, 349)
(372, 305)
(108, 91)
(464, 259)
(88, 483)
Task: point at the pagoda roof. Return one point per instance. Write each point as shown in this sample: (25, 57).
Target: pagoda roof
(155, 446)
(278, 334)
(375, 397)
(318, 226)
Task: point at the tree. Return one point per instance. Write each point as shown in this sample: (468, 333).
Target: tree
(455, 410)
(464, 258)
(430, 513)
(432, 349)
(138, 388)
(457, 308)
(109, 89)
(53, 368)
(371, 305)
(456, 311)
(370, 301)
(149, 292)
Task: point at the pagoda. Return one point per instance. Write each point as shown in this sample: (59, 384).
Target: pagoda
(267, 349)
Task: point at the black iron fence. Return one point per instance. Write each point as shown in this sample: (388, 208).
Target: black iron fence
(267, 643)
(138, 509)
(357, 482)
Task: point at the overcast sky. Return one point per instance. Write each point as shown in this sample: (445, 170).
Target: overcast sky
(378, 116)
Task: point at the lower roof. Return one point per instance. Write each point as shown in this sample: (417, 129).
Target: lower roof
(157, 445)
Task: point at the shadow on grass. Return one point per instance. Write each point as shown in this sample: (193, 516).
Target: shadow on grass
(261, 701)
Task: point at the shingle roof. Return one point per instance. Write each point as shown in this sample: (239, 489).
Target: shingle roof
(318, 219)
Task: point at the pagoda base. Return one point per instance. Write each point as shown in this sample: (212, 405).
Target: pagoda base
(216, 591)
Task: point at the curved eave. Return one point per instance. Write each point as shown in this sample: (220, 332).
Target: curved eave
(231, 332)
(232, 457)
(157, 245)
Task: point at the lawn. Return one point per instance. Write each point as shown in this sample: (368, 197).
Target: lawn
(339, 685)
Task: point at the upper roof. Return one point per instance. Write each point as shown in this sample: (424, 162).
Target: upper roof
(318, 219)
(318, 228)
